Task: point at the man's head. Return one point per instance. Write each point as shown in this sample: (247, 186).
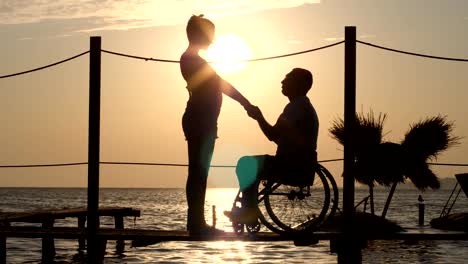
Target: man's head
(297, 82)
(200, 31)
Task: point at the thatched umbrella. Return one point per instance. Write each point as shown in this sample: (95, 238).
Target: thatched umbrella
(367, 139)
(390, 163)
(424, 141)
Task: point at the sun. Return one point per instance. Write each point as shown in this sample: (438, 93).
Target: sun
(228, 53)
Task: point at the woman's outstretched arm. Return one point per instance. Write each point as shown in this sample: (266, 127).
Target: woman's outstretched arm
(232, 92)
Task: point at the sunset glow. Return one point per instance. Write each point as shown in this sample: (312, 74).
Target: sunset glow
(45, 113)
(228, 53)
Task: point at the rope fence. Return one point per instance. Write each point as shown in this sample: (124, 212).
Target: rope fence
(139, 57)
(44, 165)
(44, 67)
(412, 53)
(448, 164)
(160, 164)
(250, 60)
(128, 163)
(179, 164)
(176, 61)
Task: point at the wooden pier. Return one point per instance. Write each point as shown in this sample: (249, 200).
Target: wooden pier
(48, 232)
(142, 237)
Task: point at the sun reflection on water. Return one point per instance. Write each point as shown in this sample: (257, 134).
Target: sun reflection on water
(231, 252)
(222, 199)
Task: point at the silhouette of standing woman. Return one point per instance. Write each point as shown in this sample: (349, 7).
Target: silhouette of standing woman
(199, 121)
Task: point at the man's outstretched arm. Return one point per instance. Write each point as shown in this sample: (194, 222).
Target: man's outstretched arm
(271, 132)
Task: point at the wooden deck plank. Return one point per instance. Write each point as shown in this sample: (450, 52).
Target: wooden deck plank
(103, 211)
(39, 216)
(162, 235)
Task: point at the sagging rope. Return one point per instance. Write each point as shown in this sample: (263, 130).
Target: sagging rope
(165, 60)
(180, 164)
(44, 67)
(44, 165)
(127, 163)
(448, 164)
(412, 53)
(251, 60)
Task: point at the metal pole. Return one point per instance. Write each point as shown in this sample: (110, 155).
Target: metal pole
(349, 251)
(421, 210)
(213, 214)
(93, 147)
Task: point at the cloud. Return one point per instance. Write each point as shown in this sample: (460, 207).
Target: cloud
(125, 14)
(216, 8)
(334, 39)
(25, 38)
(366, 36)
(294, 41)
(61, 28)
(29, 11)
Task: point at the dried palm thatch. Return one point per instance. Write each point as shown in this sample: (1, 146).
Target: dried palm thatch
(390, 163)
(367, 138)
(425, 140)
(368, 128)
(386, 162)
(428, 138)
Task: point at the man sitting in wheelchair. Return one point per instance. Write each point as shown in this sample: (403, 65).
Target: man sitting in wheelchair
(295, 134)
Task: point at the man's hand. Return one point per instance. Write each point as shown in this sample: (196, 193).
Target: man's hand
(254, 112)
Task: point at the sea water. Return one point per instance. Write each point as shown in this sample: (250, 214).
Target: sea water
(165, 209)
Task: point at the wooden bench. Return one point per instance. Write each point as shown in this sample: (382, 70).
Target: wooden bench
(48, 217)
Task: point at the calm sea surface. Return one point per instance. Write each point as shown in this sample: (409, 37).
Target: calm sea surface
(165, 209)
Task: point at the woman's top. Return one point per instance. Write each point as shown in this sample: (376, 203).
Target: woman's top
(205, 90)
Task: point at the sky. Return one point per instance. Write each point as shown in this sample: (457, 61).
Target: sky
(44, 114)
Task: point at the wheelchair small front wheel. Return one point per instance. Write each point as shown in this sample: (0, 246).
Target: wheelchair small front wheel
(238, 228)
(253, 228)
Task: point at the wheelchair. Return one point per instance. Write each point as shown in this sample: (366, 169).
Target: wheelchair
(287, 206)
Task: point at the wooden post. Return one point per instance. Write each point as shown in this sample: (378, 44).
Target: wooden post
(81, 224)
(3, 241)
(348, 250)
(365, 204)
(119, 225)
(389, 199)
(48, 245)
(94, 147)
(3, 249)
(101, 249)
(349, 122)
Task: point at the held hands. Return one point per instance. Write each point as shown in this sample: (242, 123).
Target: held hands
(253, 111)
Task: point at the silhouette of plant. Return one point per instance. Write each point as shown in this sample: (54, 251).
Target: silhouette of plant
(388, 163)
(425, 141)
(369, 130)
(367, 139)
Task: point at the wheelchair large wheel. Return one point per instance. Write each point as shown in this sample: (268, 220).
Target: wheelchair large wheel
(294, 208)
(334, 193)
